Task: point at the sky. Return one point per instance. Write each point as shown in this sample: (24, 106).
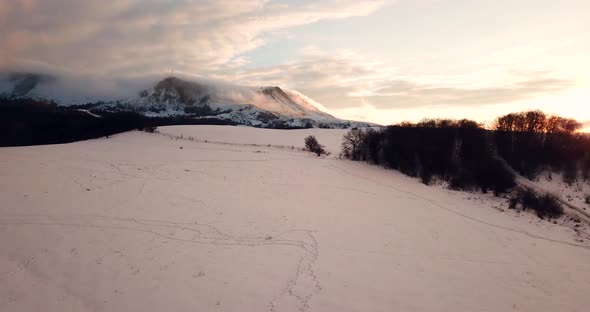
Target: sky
(382, 61)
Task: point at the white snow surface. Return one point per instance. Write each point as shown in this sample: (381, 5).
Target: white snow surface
(249, 136)
(146, 222)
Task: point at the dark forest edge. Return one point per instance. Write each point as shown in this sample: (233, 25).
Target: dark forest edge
(28, 122)
(469, 157)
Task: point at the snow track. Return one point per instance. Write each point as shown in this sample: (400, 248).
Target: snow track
(135, 223)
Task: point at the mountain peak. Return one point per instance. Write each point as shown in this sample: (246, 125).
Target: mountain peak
(273, 91)
(22, 83)
(269, 106)
(186, 91)
(169, 81)
(175, 83)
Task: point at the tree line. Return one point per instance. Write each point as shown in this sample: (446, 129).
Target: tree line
(30, 122)
(455, 151)
(532, 142)
(468, 156)
(536, 122)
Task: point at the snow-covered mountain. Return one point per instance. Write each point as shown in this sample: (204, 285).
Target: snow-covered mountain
(176, 97)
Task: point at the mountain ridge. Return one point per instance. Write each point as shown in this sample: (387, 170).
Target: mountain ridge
(268, 106)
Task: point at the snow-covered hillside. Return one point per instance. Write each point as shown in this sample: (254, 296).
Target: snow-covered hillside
(147, 222)
(172, 96)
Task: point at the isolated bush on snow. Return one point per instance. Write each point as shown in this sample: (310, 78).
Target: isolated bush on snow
(312, 145)
(149, 129)
(546, 205)
(549, 206)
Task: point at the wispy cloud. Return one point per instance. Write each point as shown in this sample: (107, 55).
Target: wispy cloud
(419, 67)
(407, 94)
(348, 80)
(152, 35)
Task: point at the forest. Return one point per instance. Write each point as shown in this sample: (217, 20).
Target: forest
(29, 122)
(468, 156)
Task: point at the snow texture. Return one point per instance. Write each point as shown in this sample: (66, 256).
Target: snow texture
(225, 222)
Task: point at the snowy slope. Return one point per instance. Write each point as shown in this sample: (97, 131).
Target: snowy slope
(134, 223)
(250, 106)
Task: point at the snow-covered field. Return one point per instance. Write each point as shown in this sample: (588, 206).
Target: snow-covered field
(248, 136)
(145, 222)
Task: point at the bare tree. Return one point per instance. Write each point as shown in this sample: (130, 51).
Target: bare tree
(536, 122)
(351, 144)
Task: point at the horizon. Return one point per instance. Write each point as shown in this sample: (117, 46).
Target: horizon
(376, 61)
